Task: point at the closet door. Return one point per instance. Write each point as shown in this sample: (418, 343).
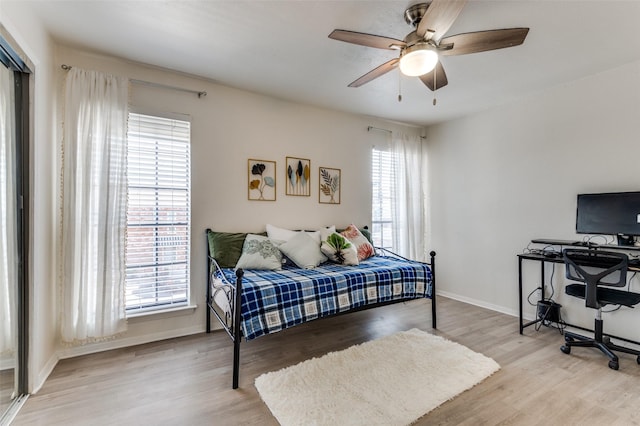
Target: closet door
(14, 142)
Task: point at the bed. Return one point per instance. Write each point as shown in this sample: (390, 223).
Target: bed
(251, 303)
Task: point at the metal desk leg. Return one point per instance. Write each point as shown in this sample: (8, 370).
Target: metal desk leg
(520, 293)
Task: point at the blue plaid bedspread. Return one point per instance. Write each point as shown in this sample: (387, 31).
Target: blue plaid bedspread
(275, 300)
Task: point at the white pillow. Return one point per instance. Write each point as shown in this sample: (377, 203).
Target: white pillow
(303, 250)
(325, 232)
(279, 234)
(258, 252)
(340, 250)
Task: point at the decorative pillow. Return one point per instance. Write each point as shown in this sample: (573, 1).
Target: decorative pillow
(225, 247)
(364, 231)
(366, 234)
(303, 250)
(340, 250)
(258, 252)
(363, 246)
(325, 232)
(279, 234)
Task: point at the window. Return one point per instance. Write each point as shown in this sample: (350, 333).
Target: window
(158, 213)
(382, 174)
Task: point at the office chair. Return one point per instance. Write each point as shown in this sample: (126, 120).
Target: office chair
(597, 269)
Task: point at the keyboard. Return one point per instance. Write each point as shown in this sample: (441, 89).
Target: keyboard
(599, 261)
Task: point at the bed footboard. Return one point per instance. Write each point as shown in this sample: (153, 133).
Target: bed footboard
(434, 324)
(226, 297)
(432, 265)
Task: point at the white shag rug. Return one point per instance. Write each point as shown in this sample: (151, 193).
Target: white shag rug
(393, 380)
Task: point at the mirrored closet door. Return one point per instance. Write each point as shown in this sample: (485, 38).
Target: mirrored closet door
(14, 141)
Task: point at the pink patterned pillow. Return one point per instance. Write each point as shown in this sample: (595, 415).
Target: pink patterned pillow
(364, 248)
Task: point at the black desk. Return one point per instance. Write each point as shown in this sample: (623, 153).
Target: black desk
(572, 243)
(543, 259)
(538, 258)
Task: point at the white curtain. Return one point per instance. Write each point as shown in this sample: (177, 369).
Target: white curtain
(93, 206)
(408, 207)
(8, 215)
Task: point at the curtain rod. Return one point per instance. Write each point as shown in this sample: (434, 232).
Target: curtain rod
(152, 84)
(370, 128)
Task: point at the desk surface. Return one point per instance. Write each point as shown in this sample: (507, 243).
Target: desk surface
(557, 258)
(572, 243)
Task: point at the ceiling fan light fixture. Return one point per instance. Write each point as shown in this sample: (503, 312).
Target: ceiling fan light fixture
(418, 60)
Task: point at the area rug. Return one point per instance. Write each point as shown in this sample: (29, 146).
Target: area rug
(393, 380)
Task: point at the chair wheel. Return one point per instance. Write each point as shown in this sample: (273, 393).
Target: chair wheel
(565, 349)
(568, 339)
(614, 365)
(638, 359)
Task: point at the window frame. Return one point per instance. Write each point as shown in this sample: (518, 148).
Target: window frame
(142, 309)
(381, 200)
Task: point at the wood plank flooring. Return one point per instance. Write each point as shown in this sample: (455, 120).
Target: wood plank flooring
(187, 381)
(6, 388)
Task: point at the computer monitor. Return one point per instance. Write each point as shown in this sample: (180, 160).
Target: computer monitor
(614, 213)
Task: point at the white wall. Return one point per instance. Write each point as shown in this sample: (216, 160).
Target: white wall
(38, 47)
(229, 126)
(504, 176)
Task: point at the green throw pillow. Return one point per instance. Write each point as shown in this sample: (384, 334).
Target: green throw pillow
(366, 234)
(226, 247)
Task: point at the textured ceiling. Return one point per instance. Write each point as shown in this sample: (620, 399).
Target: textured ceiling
(281, 48)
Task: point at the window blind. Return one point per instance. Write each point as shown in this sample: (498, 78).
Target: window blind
(382, 176)
(158, 213)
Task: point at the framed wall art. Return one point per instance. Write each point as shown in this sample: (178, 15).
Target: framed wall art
(329, 186)
(298, 176)
(262, 180)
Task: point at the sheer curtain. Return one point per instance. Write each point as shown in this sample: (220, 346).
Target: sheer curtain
(408, 207)
(8, 218)
(93, 206)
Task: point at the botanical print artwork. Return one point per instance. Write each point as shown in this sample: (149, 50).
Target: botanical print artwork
(329, 186)
(262, 180)
(298, 176)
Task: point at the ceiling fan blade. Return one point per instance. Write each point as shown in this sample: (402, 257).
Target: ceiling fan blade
(482, 41)
(438, 18)
(440, 78)
(369, 40)
(375, 73)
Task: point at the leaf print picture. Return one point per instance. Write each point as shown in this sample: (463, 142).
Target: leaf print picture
(262, 180)
(329, 186)
(298, 176)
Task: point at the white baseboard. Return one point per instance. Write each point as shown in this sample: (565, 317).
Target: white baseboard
(483, 304)
(70, 352)
(75, 351)
(43, 374)
(7, 362)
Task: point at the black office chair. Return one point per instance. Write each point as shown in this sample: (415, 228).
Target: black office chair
(596, 269)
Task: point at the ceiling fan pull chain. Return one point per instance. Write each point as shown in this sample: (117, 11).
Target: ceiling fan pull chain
(399, 87)
(435, 87)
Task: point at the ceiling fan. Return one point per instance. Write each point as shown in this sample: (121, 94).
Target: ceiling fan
(421, 49)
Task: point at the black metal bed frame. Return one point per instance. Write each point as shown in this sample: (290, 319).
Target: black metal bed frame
(231, 320)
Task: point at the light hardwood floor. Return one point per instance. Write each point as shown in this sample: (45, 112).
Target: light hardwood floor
(6, 388)
(187, 381)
